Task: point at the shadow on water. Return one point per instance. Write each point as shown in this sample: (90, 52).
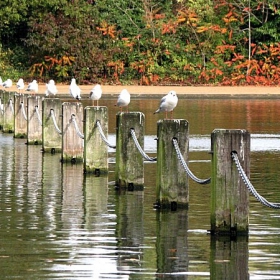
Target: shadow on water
(57, 223)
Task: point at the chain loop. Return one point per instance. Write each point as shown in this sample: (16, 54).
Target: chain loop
(103, 136)
(1, 106)
(144, 155)
(38, 115)
(248, 184)
(54, 122)
(23, 111)
(79, 133)
(184, 164)
(11, 106)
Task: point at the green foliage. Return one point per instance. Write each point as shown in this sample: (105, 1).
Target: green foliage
(148, 41)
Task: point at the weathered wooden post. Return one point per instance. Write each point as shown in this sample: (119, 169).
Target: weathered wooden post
(129, 162)
(34, 124)
(95, 150)
(72, 136)
(52, 125)
(9, 111)
(171, 180)
(20, 118)
(229, 196)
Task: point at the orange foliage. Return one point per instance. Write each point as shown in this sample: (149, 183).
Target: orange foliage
(107, 29)
(118, 67)
(50, 63)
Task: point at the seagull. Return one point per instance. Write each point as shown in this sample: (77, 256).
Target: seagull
(168, 103)
(20, 85)
(74, 90)
(123, 99)
(51, 88)
(7, 84)
(95, 93)
(33, 87)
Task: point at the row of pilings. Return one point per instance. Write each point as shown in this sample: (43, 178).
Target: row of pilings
(79, 134)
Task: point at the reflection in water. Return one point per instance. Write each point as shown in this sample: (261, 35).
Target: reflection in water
(172, 243)
(58, 223)
(229, 258)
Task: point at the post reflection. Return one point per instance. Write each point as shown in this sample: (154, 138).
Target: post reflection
(96, 202)
(229, 258)
(172, 244)
(51, 191)
(130, 229)
(72, 200)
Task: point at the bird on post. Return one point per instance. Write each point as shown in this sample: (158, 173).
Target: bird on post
(74, 90)
(96, 93)
(123, 99)
(168, 103)
(51, 88)
(32, 87)
(20, 85)
(7, 84)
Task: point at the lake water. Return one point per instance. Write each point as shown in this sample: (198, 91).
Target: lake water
(57, 223)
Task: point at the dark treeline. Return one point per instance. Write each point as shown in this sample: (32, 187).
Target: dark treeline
(142, 41)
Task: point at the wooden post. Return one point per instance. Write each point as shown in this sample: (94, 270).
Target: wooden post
(129, 161)
(20, 117)
(229, 195)
(72, 143)
(95, 150)
(51, 135)
(8, 104)
(171, 179)
(34, 124)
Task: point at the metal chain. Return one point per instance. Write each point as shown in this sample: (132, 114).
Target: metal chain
(79, 133)
(103, 136)
(11, 106)
(23, 110)
(1, 106)
(144, 155)
(188, 171)
(38, 115)
(249, 186)
(54, 122)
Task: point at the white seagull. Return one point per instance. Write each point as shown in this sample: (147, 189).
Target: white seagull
(33, 87)
(7, 84)
(168, 103)
(123, 99)
(51, 88)
(95, 93)
(74, 90)
(20, 85)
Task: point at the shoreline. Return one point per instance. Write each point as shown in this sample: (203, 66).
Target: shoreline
(186, 91)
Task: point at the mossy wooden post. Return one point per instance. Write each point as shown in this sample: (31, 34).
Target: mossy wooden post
(52, 125)
(171, 179)
(9, 110)
(229, 195)
(95, 150)
(72, 143)
(20, 118)
(129, 162)
(34, 125)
